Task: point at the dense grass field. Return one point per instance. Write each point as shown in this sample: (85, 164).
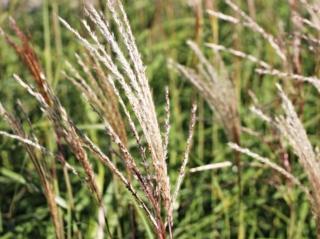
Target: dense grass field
(97, 144)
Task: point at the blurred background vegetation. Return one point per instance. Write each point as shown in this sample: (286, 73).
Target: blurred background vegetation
(273, 208)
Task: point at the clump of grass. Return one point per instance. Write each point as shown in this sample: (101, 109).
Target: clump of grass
(217, 89)
(39, 164)
(56, 113)
(126, 73)
(290, 62)
(121, 80)
(292, 130)
(289, 125)
(289, 68)
(63, 127)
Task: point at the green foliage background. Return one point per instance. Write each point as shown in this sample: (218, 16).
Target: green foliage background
(273, 208)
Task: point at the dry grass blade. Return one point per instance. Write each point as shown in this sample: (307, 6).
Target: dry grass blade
(273, 72)
(182, 171)
(211, 166)
(237, 53)
(262, 115)
(26, 141)
(272, 165)
(313, 9)
(224, 17)
(250, 23)
(308, 23)
(167, 124)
